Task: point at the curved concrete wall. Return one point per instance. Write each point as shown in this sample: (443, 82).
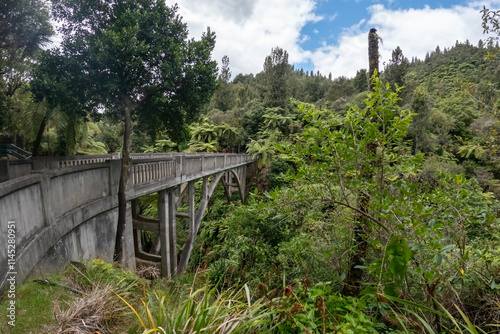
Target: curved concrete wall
(60, 215)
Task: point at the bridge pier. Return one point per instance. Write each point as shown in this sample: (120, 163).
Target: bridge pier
(168, 239)
(174, 261)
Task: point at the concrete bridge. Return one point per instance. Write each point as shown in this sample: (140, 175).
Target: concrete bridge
(55, 210)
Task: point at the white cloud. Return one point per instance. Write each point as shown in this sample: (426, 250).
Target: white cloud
(247, 30)
(248, 35)
(333, 17)
(420, 31)
(415, 31)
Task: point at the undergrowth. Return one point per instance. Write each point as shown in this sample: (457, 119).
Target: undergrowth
(98, 297)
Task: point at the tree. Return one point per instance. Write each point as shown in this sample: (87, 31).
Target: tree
(340, 87)
(224, 97)
(131, 59)
(374, 113)
(225, 72)
(421, 121)
(24, 29)
(397, 68)
(491, 24)
(276, 72)
(361, 81)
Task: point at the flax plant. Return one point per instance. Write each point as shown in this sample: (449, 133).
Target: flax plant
(205, 310)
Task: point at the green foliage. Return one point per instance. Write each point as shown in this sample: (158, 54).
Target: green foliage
(461, 109)
(427, 221)
(343, 87)
(210, 137)
(23, 117)
(302, 308)
(26, 28)
(491, 23)
(104, 273)
(279, 168)
(361, 81)
(160, 145)
(397, 68)
(224, 97)
(276, 72)
(204, 310)
(92, 73)
(253, 119)
(261, 150)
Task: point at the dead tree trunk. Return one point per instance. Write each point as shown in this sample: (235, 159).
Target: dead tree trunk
(353, 283)
(373, 56)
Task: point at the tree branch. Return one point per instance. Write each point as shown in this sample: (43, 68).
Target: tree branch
(347, 205)
(48, 282)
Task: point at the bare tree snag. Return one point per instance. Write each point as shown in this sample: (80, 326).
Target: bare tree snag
(353, 282)
(373, 55)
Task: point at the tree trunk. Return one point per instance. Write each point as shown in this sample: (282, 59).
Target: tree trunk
(38, 140)
(373, 56)
(39, 135)
(122, 188)
(353, 283)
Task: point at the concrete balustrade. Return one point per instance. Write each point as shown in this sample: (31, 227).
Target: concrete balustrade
(11, 169)
(66, 209)
(154, 170)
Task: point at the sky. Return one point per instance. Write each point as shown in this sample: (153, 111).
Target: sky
(330, 36)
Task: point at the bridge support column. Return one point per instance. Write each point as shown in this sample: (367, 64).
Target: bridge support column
(166, 213)
(242, 184)
(128, 258)
(235, 180)
(192, 224)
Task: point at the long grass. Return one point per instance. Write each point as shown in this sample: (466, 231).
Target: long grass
(420, 312)
(95, 311)
(205, 310)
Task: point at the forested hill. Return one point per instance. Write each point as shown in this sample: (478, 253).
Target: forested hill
(453, 91)
(438, 73)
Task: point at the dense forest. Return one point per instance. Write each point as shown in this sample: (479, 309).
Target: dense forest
(375, 206)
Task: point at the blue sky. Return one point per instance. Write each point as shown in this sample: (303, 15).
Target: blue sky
(343, 14)
(330, 35)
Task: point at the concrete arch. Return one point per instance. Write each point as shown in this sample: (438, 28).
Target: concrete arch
(165, 226)
(239, 175)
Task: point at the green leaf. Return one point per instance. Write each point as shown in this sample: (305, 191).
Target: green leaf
(448, 248)
(438, 259)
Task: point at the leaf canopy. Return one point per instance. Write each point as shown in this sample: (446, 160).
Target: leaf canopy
(131, 54)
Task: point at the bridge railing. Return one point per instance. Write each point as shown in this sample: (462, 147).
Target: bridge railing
(12, 150)
(148, 171)
(146, 167)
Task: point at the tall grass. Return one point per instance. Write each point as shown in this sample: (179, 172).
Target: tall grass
(409, 312)
(205, 310)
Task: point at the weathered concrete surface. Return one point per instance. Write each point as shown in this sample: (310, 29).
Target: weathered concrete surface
(88, 240)
(49, 233)
(70, 213)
